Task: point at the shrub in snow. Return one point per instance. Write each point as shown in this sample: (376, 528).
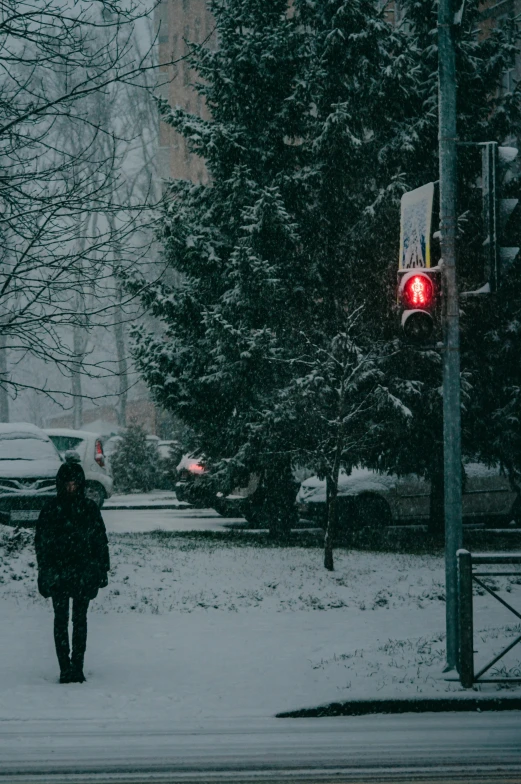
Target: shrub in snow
(14, 540)
(135, 464)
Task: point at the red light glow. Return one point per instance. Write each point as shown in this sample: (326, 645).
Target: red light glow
(99, 457)
(418, 292)
(195, 468)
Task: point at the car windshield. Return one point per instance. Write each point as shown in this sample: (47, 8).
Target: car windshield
(21, 446)
(63, 443)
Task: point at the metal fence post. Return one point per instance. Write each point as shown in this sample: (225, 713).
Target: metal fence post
(465, 621)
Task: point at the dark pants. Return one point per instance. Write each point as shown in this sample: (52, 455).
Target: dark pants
(80, 605)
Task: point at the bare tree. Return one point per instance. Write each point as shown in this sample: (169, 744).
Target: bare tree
(61, 65)
(128, 119)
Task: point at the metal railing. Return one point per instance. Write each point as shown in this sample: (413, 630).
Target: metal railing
(466, 577)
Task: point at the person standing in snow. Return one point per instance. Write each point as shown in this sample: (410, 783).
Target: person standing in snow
(73, 562)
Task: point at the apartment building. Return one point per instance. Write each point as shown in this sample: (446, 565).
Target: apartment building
(179, 22)
(495, 13)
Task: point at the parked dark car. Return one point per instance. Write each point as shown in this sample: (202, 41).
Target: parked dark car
(258, 500)
(29, 463)
(190, 485)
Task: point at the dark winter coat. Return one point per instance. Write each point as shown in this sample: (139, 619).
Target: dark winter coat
(71, 541)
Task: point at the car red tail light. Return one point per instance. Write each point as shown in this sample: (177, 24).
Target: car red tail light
(99, 457)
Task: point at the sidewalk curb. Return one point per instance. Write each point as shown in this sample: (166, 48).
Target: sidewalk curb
(414, 705)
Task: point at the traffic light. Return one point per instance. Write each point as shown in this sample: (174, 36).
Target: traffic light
(419, 299)
(418, 281)
(497, 183)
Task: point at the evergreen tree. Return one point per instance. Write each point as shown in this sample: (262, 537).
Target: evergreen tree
(483, 115)
(272, 248)
(320, 119)
(135, 464)
(494, 410)
(236, 243)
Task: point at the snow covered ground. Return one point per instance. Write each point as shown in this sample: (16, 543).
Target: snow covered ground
(197, 627)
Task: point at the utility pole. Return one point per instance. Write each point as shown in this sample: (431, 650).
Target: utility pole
(450, 318)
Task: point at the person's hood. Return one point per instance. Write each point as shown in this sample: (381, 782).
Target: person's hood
(70, 472)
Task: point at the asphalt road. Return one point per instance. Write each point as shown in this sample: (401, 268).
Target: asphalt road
(477, 747)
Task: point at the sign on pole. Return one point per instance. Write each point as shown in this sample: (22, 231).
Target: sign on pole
(415, 227)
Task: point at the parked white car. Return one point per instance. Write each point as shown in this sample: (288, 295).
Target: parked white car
(89, 447)
(111, 445)
(29, 463)
(369, 498)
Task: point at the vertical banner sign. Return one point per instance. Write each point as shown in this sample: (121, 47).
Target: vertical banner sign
(415, 227)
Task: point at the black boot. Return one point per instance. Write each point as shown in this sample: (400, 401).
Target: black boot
(76, 672)
(62, 651)
(66, 673)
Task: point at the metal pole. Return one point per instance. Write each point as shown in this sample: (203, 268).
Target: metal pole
(466, 624)
(451, 359)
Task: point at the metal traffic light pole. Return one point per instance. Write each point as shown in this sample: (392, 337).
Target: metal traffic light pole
(450, 319)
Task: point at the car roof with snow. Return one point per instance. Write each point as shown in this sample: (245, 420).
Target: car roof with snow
(26, 452)
(70, 432)
(358, 481)
(358, 476)
(22, 427)
(189, 459)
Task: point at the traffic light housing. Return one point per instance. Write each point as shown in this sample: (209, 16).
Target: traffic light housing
(499, 175)
(419, 291)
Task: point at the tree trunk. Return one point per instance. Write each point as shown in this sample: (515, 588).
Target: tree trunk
(332, 512)
(332, 504)
(119, 335)
(80, 335)
(77, 399)
(4, 397)
(280, 509)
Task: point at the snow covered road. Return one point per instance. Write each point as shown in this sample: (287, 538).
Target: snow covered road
(362, 748)
(144, 520)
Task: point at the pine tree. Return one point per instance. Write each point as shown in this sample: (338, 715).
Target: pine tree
(135, 464)
(483, 115)
(235, 241)
(320, 119)
(272, 248)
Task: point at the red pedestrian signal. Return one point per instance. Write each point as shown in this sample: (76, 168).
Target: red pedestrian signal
(418, 299)
(418, 291)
